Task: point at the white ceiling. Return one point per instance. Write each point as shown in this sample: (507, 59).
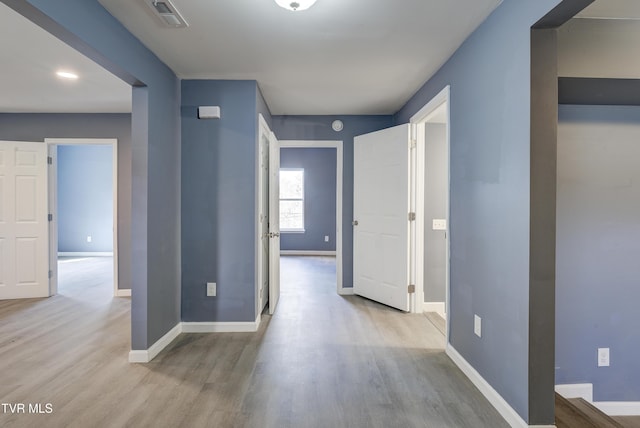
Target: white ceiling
(339, 57)
(28, 84)
(356, 57)
(612, 9)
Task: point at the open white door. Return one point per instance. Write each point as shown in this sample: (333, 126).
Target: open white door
(381, 216)
(24, 232)
(274, 223)
(263, 214)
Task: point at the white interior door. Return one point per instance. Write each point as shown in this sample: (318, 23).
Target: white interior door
(24, 234)
(263, 216)
(381, 222)
(274, 223)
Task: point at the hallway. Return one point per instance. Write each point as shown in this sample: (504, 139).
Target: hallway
(321, 361)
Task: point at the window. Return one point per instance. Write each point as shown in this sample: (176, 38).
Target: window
(292, 200)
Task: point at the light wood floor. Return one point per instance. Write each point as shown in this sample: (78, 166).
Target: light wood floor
(321, 361)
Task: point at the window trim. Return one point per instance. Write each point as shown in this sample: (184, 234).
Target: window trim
(280, 199)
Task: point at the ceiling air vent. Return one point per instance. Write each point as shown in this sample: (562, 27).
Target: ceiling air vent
(167, 12)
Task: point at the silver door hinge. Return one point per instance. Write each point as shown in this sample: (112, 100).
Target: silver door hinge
(413, 144)
(49, 160)
(411, 288)
(50, 274)
(412, 216)
(50, 217)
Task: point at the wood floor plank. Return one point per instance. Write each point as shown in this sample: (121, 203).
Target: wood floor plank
(322, 360)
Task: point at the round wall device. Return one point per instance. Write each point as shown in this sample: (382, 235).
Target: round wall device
(337, 125)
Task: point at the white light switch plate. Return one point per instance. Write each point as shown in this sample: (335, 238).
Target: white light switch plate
(477, 325)
(439, 224)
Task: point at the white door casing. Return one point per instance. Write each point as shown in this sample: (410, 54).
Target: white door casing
(24, 234)
(274, 223)
(381, 224)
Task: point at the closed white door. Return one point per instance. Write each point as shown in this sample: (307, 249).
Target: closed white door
(274, 223)
(381, 216)
(24, 238)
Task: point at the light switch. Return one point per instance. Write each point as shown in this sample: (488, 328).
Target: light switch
(439, 224)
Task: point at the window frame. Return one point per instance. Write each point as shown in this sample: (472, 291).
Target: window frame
(302, 199)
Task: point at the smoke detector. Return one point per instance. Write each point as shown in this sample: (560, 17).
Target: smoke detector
(167, 13)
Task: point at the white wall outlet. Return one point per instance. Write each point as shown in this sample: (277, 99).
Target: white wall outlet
(603, 357)
(89, 238)
(439, 224)
(326, 238)
(211, 289)
(477, 325)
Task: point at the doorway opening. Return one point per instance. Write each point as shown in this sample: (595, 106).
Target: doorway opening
(431, 184)
(83, 190)
(269, 202)
(311, 226)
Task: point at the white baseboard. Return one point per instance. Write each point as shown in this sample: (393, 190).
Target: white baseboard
(438, 307)
(148, 355)
(508, 413)
(221, 327)
(346, 291)
(136, 356)
(619, 408)
(123, 292)
(306, 253)
(85, 254)
(576, 390)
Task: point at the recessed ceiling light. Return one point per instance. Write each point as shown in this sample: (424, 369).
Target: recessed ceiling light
(295, 5)
(66, 75)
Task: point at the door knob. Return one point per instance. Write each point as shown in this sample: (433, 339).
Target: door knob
(354, 222)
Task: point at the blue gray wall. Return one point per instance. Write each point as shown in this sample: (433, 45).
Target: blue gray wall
(490, 182)
(155, 189)
(219, 201)
(598, 248)
(319, 128)
(37, 127)
(85, 198)
(319, 166)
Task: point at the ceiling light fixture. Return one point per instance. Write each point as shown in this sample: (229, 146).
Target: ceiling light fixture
(66, 75)
(295, 5)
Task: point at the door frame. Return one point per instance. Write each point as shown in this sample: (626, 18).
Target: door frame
(330, 144)
(420, 118)
(52, 148)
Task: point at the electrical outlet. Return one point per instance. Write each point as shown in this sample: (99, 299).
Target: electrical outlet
(326, 238)
(89, 238)
(477, 325)
(603, 357)
(211, 289)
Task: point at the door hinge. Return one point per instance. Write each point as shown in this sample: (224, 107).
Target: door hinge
(412, 216)
(413, 144)
(50, 274)
(411, 288)
(50, 217)
(49, 160)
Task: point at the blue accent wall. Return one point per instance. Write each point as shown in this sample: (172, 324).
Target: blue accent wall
(319, 128)
(319, 166)
(490, 160)
(85, 198)
(37, 127)
(155, 190)
(598, 248)
(219, 201)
